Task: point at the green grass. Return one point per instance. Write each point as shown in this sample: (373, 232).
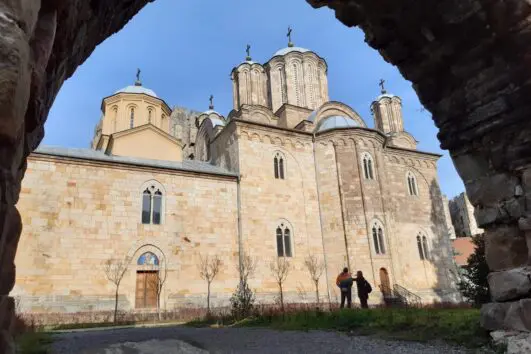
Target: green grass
(456, 326)
(33, 343)
(91, 325)
(459, 326)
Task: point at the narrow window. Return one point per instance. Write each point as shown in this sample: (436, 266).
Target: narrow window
(287, 242)
(369, 163)
(146, 207)
(282, 87)
(425, 247)
(132, 119)
(412, 184)
(381, 240)
(419, 246)
(157, 207)
(150, 112)
(365, 168)
(375, 240)
(278, 165)
(114, 119)
(368, 171)
(296, 82)
(280, 243)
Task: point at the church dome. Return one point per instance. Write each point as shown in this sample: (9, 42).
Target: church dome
(287, 50)
(335, 122)
(137, 89)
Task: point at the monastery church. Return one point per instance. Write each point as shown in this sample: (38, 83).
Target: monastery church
(287, 173)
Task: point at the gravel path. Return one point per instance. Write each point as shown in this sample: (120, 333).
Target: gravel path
(169, 340)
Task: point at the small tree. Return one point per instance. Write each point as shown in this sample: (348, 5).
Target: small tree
(114, 271)
(474, 285)
(280, 269)
(242, 300)
(208, 269)
(157, 282)
(316, 269)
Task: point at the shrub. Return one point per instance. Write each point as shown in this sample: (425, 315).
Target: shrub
(474, 285)
(242, 301)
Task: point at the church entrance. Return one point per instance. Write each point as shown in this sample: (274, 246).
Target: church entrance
(147, 278)
(146, 289)
(385, 283)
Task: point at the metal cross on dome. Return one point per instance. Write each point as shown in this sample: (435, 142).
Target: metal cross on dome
(211, 102)
(382, 86)
(290, 30)
(248, 50)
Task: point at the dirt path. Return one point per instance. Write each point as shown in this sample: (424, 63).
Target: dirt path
(170, 340)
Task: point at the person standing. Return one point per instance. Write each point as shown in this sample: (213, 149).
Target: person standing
(364, 289)
(344, 281)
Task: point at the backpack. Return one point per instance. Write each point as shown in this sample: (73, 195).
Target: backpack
(368, 287)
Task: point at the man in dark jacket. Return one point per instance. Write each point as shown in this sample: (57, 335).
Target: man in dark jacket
(344, 281)
(364, 289)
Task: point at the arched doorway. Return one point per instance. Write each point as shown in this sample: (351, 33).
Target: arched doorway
(385, 283)
(147, 279)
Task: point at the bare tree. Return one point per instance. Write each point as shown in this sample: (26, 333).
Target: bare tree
(247, 267)
(208, 269)
(157, 282)
(114, 271)
(316, 269)
(280, 269)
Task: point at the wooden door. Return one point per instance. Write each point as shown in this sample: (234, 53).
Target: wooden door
(385, 283)
(146, 289)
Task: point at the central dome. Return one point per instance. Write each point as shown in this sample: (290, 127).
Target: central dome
(287, 50)
(335, 122)
(137, 89)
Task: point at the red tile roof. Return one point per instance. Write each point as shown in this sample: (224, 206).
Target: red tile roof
(463, 247)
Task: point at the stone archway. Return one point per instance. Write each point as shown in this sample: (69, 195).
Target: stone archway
(466, 59)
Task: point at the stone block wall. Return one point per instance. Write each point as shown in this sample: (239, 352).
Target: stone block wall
(90, 212)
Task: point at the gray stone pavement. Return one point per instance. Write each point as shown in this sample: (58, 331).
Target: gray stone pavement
(178, 339)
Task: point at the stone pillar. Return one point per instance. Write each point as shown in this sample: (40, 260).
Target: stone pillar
(498, 183)
(30, 77)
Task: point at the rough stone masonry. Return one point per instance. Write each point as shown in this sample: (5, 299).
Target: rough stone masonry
(467, 60)
(41, 44)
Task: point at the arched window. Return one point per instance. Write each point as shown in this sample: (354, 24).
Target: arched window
(425, 247)
(412, 184)
(378, 238)
(283, 93)
(132, 118)
(278, 165)
(152, 205)
(114, 119)
(283, 240)
(419, 246)
(150, 115)
(422, 245)
(368, 169)
(296, 82)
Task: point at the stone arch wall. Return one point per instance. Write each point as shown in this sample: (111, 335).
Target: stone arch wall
(476, 85)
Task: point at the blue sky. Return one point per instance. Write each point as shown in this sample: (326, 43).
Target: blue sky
(187, 49)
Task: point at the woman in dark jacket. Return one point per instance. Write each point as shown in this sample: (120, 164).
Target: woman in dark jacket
(364, 289)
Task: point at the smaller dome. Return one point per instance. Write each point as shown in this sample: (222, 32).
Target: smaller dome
(137, 89)
(335, 122)
(287, 50)
(385, 95)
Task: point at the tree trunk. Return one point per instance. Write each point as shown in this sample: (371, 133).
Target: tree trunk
(115, 304)
(208, 299)
(158, 305)
(317, 291)
(281, 297)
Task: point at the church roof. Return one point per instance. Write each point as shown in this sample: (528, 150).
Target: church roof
(95, 155)
(137, 89)
(335, 122)
(287, 50)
